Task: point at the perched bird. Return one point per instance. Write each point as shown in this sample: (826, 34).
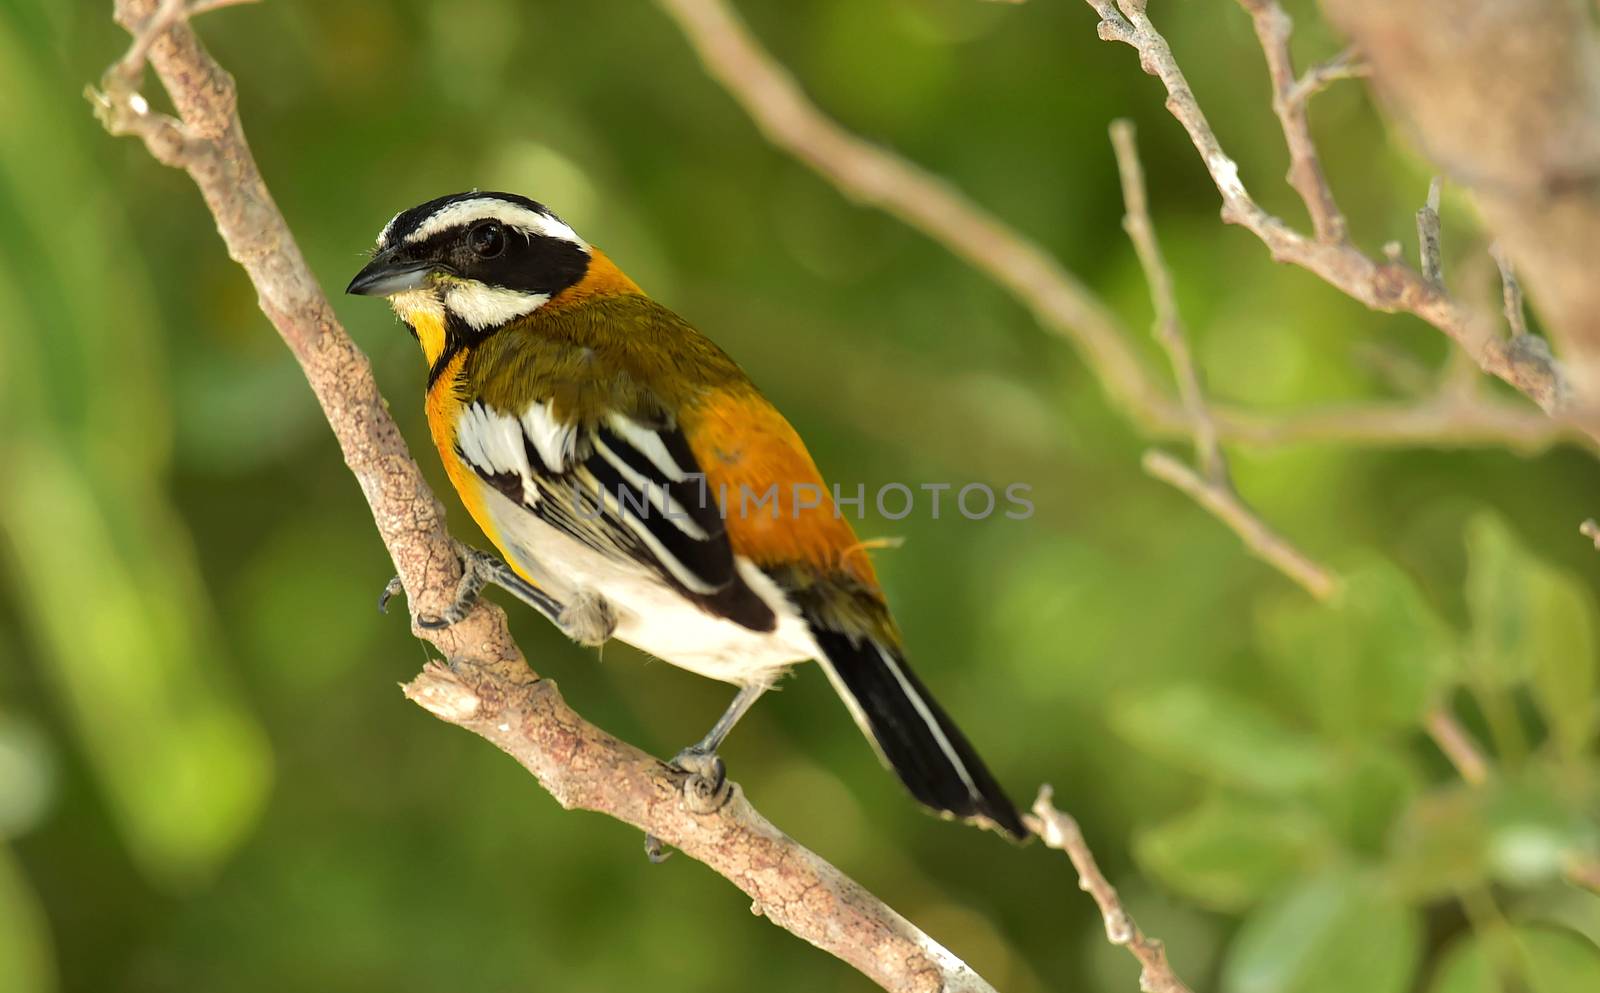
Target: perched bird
(639, 485)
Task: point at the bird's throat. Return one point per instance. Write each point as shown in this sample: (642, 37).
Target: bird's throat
(424, 315)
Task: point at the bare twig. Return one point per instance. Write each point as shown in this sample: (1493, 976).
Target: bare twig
(1387, 286)
(1457, 745)
(1348, 64)
(1062, 833)
(1511, 292)
(488, 687)
(1428, 236)
(1265, 543)
(1169, 324)
(1211, 488)
(1289, 98)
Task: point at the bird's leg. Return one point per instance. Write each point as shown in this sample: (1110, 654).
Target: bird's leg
(588, 620)
(708, 777)
(700, 758)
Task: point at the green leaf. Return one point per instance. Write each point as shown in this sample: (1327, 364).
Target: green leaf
(1517, 832)
(1532, 622)
(1370, 661)
(1441, 845)
(26, 956)
(1531, 959)
(1332, 934)
(1229, 853)
(1369, 789)
(1221, 736)
(1561, 646)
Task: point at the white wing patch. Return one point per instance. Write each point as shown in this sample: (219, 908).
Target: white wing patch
(649, 445)
(554, 441)
(464, 212)
(495, 444)
(615, 485)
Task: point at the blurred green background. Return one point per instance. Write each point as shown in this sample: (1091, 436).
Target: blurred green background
(209, 781)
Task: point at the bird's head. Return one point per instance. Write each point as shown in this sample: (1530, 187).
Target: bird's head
(472, 262)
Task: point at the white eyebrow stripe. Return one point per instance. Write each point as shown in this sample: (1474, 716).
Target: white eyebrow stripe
(383, 236)
(464, 212)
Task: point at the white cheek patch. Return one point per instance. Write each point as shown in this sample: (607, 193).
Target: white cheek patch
(482, 306)
(465, 212)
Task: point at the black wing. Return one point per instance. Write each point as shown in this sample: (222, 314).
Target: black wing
(628, 490)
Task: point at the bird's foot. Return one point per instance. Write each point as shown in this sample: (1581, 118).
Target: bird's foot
(589, 619)
(478, 568)
(706, 790)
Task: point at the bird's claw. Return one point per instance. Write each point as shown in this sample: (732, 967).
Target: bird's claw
(391, 589)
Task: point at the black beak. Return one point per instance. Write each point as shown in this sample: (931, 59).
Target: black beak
(385, 275)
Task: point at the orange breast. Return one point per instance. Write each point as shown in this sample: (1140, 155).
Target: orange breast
(778, 509)
(443, 407)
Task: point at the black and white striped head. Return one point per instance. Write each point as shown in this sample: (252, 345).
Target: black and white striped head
(481, 259)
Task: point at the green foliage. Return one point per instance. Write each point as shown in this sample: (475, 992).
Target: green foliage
(1223, 737)
(1230, 853)
(1331, 933)
(1532, 959)
(1370, 663)
(1535, 624)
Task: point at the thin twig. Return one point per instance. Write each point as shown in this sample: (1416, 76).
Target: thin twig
(1290, 97)
(1348, 64)
(1457, 745)
(1265, 543)
(1428, 236)
(1169, 323)
(1212, 487)
(488, 687)
(1061, 832)
(1511, 293)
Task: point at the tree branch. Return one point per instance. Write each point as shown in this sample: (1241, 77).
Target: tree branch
(873, 175)
(1504, 96)
(1389, 285)
(1211, 488)
(488, 687)
(1061, 832)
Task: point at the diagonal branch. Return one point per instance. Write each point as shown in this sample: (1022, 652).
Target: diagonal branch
(488, 687)
(1211, 488)
(1061, 832)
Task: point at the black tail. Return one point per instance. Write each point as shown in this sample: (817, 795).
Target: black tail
(912, 733)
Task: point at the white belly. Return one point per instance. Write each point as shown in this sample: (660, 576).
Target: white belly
(651, 615)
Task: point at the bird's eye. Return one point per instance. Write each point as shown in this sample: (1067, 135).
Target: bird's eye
(487, 240)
